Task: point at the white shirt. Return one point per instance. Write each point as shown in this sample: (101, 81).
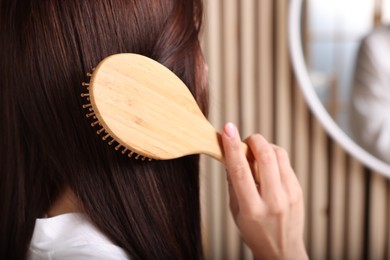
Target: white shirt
(370, 110)
(71, 236)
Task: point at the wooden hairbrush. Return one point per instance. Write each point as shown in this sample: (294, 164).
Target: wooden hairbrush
(143, 109)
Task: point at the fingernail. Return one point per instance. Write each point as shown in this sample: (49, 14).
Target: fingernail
(230, 130)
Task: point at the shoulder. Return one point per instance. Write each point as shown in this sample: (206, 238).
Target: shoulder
(373, 48)
(378, 37)
(71, 236)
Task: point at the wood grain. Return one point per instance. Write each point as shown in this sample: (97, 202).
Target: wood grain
(147, 109)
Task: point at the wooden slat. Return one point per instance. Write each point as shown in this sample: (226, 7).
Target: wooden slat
(231, 104)
(265, 65)
(378, 213)
(247, 77)
(301, 149)
(319, 194)
(214, 56)
(247, 66)
(230, 61)
(215, 195)
(204, 181)
(337, 203)
(301, 119)
(283, 83)
(355, 210)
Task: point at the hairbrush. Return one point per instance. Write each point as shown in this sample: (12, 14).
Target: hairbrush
(145, 111)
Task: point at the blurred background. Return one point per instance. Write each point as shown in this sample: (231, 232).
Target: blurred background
(334, 31)
(251, 83)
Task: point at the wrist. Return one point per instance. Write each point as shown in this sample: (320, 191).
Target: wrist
(298, 253)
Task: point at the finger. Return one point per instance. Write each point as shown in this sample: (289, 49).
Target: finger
(233, 203)
(255, 172)
(270, 182)
(288, 178)
(238, 169)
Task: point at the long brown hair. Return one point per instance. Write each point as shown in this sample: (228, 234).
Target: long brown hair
(150, 209)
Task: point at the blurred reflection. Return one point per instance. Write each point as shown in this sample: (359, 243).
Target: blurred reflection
(370, 96)
(334, 32)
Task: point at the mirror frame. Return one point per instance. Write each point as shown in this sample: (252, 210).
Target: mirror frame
(312, 99)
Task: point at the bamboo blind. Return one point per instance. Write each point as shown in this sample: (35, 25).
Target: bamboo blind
(347, 206)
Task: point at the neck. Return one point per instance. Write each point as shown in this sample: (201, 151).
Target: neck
(67, 202)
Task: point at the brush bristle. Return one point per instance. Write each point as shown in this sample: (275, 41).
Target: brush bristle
(91, 114)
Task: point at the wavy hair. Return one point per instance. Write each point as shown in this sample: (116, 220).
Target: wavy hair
(150, 209)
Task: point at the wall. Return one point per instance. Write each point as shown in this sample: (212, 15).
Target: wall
(252, 84)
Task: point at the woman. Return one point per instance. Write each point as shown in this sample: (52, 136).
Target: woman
(369, 120)
(67, 194)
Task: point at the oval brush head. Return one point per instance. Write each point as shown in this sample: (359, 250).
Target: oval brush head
(144, 108)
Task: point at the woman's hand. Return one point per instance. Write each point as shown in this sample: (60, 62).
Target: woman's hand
(270, 214)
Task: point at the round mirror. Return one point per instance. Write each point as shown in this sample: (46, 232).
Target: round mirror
(340, 52)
